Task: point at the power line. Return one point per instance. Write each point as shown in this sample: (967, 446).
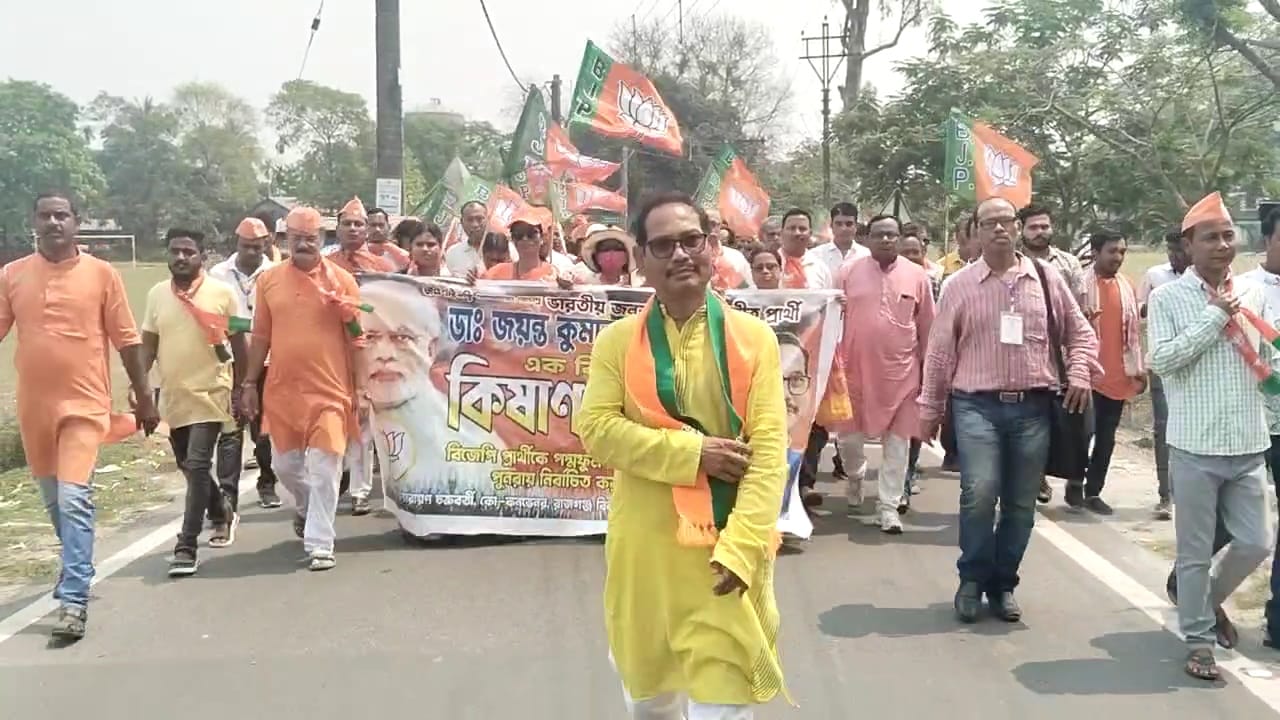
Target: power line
(315, 27)
(712, 9)
(501, 52)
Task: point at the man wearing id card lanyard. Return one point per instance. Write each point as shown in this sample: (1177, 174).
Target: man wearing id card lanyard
(1210, 345)
(990, 352)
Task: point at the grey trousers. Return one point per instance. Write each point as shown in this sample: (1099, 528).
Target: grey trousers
(1235, 488)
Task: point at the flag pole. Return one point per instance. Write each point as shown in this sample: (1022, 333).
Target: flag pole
(626, 186)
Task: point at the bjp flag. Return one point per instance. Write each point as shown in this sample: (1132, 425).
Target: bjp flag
(732, 189)
(617, 101)
(982, 163)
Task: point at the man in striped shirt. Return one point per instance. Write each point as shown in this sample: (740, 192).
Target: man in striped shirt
(1211, 359)
(990, 351)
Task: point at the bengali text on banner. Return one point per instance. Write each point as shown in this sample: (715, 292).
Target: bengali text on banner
(474, 390)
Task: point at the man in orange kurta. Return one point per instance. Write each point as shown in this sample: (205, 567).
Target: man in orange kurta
(68, 307)
(356, 255)
(305, 306)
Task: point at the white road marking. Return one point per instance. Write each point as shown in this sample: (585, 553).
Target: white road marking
(45, 604)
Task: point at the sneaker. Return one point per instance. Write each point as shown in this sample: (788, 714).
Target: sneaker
(1098, 505)
(251, 463)
(322, 561)
(1164, 510)
(855, 497)
(1046, 491)
(905, 506)
(70, 624)
(268, 498)
(183, 563)
(225, 533)
(810, 498)
(299, 525)
(890, 524)
(1074, 496)
(360, 506)
(950, 464)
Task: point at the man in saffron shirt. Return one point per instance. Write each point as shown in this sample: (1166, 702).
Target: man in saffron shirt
(67, 307)
(306, 307)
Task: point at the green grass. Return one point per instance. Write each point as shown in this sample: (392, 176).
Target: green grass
(28, 547)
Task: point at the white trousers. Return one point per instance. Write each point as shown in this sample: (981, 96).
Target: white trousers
(359, 461)
(673, 706)
(311, 476)
(893, 468)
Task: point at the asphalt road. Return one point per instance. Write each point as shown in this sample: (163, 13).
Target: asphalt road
(490, 629)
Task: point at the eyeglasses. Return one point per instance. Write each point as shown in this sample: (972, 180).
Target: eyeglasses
(534, 235)
(797, 383)
(1010, 223)
(664, 247)
(885, 235)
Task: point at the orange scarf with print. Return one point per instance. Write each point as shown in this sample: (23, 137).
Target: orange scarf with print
(793, 275)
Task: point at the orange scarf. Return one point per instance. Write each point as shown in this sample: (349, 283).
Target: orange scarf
(1268, 381)
(703, 509)
(793, 275)
(347, 307)
(214, 326)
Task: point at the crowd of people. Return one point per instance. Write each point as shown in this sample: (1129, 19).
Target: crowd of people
(991, 349)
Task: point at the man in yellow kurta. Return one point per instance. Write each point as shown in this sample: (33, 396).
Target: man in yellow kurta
(689, 603)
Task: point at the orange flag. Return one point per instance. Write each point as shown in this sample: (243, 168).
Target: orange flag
(615, 100)
(564, 159)
(505, 207)
(584, 197)
(1002, 167)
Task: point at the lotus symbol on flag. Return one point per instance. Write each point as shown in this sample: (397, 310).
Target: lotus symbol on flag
(1002, 168)
(742, 203)
(645, 114)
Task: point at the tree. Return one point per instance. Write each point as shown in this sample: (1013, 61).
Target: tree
(433, 142)
(857, 19)
(41, 149)
(332, 130)
(147, 179)
(1231, 24)
(218, 143)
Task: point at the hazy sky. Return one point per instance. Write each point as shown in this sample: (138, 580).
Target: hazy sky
(137, 48)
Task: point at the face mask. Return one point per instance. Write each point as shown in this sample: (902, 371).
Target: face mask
(611, 261)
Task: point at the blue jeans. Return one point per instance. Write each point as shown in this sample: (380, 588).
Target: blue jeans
(1003, 443)
(70, 508)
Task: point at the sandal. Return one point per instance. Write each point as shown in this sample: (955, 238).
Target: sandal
(1202, 666)
(1228, 636)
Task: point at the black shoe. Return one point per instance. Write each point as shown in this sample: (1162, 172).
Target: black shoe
(1171, 586)
(950, 464)
(183, 563)
(268, 498)
(1046, 491)
(1074, 497)
(1098, 505)
(968, 602)
(344, 484)
(1266, 639)
(360, 506)
(1004, 606)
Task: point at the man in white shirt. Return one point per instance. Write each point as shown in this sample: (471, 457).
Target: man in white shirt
(464, 257)
(241, 271)
(1154, 278)
(733, 256)
(843, 246)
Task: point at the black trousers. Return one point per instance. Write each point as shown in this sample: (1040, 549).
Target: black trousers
(1107, 414)
(261, 444)
(818, 438)
(193, 448)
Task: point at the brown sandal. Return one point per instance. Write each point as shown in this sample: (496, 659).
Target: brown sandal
(1201, 665)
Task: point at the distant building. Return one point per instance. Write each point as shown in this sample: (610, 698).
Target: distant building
(437, 111)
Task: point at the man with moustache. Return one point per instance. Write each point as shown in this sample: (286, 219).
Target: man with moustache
(685, 419)
(68, 308)
(380, 243)
(308, 319)
(184, 332)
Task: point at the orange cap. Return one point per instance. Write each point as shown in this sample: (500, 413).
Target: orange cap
(304, 220)
(354, 208)
(1209, 208)
(251, 228)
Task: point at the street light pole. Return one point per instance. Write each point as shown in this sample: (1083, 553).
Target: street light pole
(826, 71)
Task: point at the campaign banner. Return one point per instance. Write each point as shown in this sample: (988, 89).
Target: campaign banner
(474, 390)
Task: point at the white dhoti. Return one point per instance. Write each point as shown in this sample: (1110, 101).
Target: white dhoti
(311, 476)
(892, 480)
(676, 707)
(359, 461)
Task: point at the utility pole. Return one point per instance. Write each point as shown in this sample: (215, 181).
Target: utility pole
(555, 99)
(389, 171)
(680, 15)
(820, 60)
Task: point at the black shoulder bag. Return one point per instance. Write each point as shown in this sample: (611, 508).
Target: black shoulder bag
(1068, 432)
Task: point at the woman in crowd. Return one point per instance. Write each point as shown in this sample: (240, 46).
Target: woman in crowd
(766, 266)
(608, 254)
(425, 243)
